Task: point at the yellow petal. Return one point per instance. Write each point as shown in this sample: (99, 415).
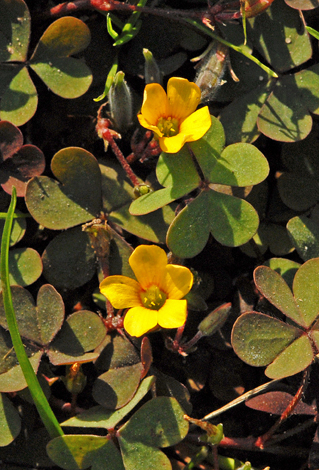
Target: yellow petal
(183, 97)
(121, 291)
(154, 103)
(196, 125)
(172, 144)
(179, 281)
(149, 126)
(148, 263)
(140, 320)
(172, 314)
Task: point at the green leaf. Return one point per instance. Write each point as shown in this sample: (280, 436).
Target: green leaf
(120, 251)
(155, 200)
(109, 458)
(298, 186)
(33, 320)
(100, 417)
(303, 5)
(74, 199)
(152, 227)
(19, 99)
(78, 452)
(308, 82)
(167, 386)
(272, 236)
(305, 288)
(10, 421)
(64, 37)
(285, 267)
(280, 36)
(142, 457)
(13, 379)
(82, 331)
(258, 339)
(18, 230)
(208, 149)
(14, 30)
(314, 335)
(69, 260)
(116, 387)
(189, 231)
(158, 423)
(116, 351)
(282, 118)
(304, 233)
(25, 266)
(275, 289)
(232, 221)
(240, 165)
(295, 358)
(177, 172)
(246, 108)
(65, 76)
(117, 189)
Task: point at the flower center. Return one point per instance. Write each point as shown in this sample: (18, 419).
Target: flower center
(168, 126)
(153, 298)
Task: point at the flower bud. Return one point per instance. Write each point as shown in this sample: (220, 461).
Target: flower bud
(211, 70)
(151, 70)
(215, 320)
(74, 380)
(141, 190)
(120, 101)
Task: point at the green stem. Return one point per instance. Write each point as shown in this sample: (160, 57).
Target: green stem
(48, 418)
(239, 49)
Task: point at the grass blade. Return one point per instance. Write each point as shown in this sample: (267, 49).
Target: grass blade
(48, 418)
(241, 49)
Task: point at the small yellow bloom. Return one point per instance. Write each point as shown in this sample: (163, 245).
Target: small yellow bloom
(172, 117)
(155, 298)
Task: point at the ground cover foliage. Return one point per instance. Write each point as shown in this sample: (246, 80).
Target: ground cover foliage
(85, 184)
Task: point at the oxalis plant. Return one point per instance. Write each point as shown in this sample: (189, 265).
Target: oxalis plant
(159, 259)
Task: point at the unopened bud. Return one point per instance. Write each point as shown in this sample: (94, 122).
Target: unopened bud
(211, 70)
(120, 101)
(74, 380)
(215, 320)
(141, 190)
(151, 69)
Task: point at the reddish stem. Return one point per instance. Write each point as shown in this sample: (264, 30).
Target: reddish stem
(186, 346)
(107, 135)
(69, 7)
(261, 441)
(179, 334)
(249, 444)
(215, 457)
(218, 12)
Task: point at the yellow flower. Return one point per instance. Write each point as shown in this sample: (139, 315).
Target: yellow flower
(155, 298)
(172, 117)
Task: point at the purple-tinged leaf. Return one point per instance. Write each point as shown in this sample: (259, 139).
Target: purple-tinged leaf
(276, 403)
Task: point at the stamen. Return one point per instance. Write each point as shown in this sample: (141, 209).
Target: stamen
(153, 298)
(168, 126)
